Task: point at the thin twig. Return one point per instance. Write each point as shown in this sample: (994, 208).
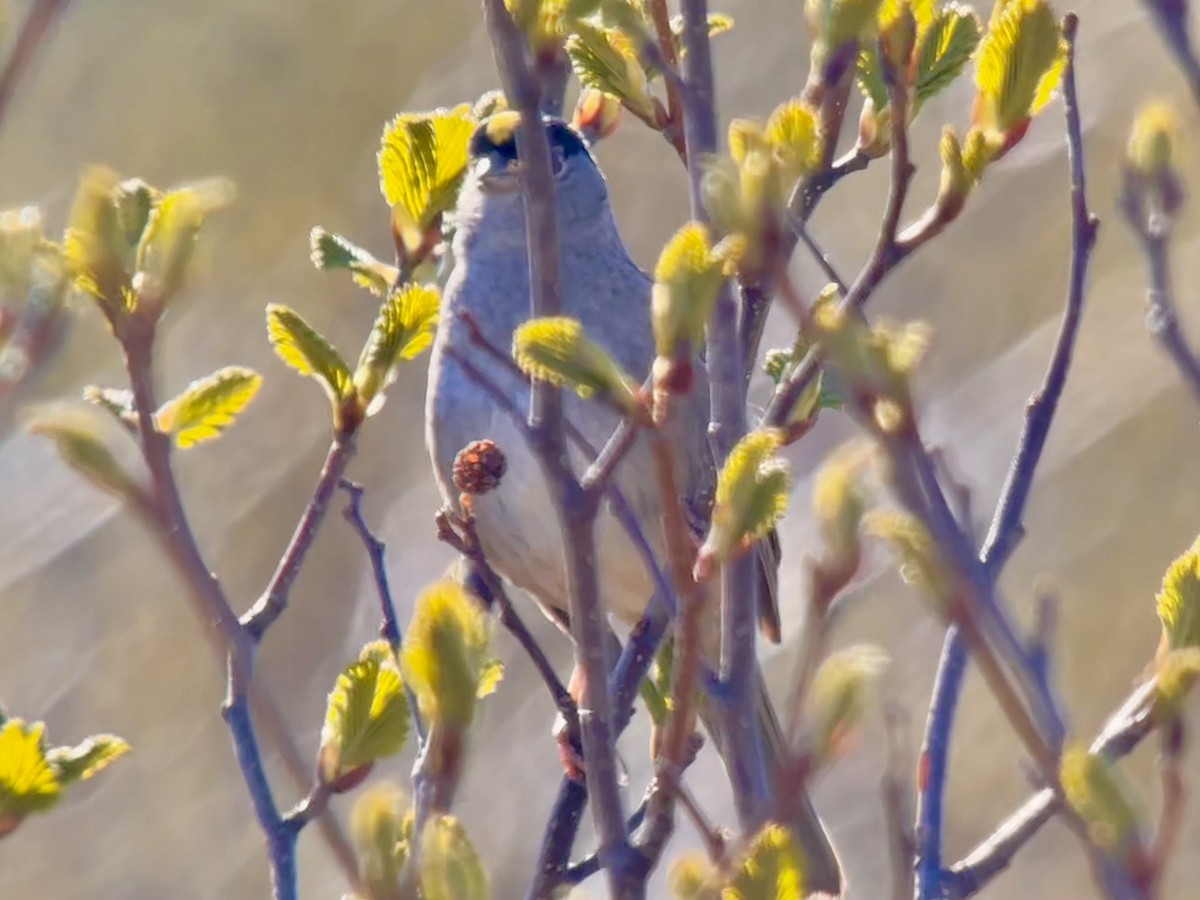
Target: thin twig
(820, 256)
(727, 387)
(1174, 798)
(376, 551)
(234, 643)
(1121, 734)
(576, 510)
(1006, 527)
(274, 599)
(30, 39)
(1171, 19)
(897, 801)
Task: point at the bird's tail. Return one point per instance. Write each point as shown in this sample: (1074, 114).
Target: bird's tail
(822, 869)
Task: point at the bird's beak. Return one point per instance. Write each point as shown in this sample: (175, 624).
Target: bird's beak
(496, 175)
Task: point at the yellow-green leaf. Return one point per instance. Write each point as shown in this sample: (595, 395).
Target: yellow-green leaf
(838, 504)
(603, 60)
(208, 406)
(445, 654)
(921, 563)
(945, 46)
(422, 160)
(134, 199)
(771, 868)
(381, 831)
(169, 238)
(28, 783)
(1097, 795)
(81, 762)
(366, 718)
(839, 695)
(868, 73)
(1019, 62)
(95, 247)
(555, 349)
(836, 23)
(332, 251)
(450, 868)
(693, 878)
(88, 442)
(686, 281)
(22, 237)
(490, 676)
(1177, 673)
(304, 349)
(752, 494)
(1179, 600)
(403, 328)
(1152, 141)
(793, 132)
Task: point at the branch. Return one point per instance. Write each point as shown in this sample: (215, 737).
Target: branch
(275, 598)
(232, 641)
(30, 39)
(897, 793)
(727, 385)
(1122, 733)
(1171, 19)
(575, 508)
(1007, 528)
(376, 551)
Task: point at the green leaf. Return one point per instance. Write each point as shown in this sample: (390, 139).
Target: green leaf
(793, 132)
(332, 251)
(686, 281)
(134, 200)
(752, 494)
(604, 60)
(366, 718)
(555, 349)
(28, 783)
(304, 349)
(1179, 600)
(422, 161)
(1177, 673)
(839, 695)
(944, 48)
(836, 23)
(1094, 791)
(921, 563)
(208, 406)
(402, 330)
(169, 238)
(94, 245)
(839, 505)
(81, 762)
(88, 442)
(1019, 62)
(381, 828)
(771, 868)
(445, 654)
(450, 867)
(868, 73)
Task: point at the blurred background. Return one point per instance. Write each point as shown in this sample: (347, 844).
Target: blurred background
(288, 100)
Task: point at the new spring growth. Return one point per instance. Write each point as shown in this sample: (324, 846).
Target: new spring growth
(838, 506)
(1019, 66)
(596, 115)
(921, 562)
(366, 718)
(128, 245)
(34, 777)
(752, 494)
(686, 280)
(1095, 791)
(1152, 185)
(746, 194)
(606, 60)
(962, 167)
(403, 329)
(924, 45)
(422, 160)
(555, 349)
(772, 865)
(839, 695)
(839, 28)
(877, 362)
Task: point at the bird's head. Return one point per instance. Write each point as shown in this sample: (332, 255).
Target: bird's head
(491, 196)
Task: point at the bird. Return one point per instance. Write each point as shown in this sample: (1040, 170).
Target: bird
(487, 290)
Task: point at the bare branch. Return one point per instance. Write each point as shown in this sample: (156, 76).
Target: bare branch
(42, 16)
